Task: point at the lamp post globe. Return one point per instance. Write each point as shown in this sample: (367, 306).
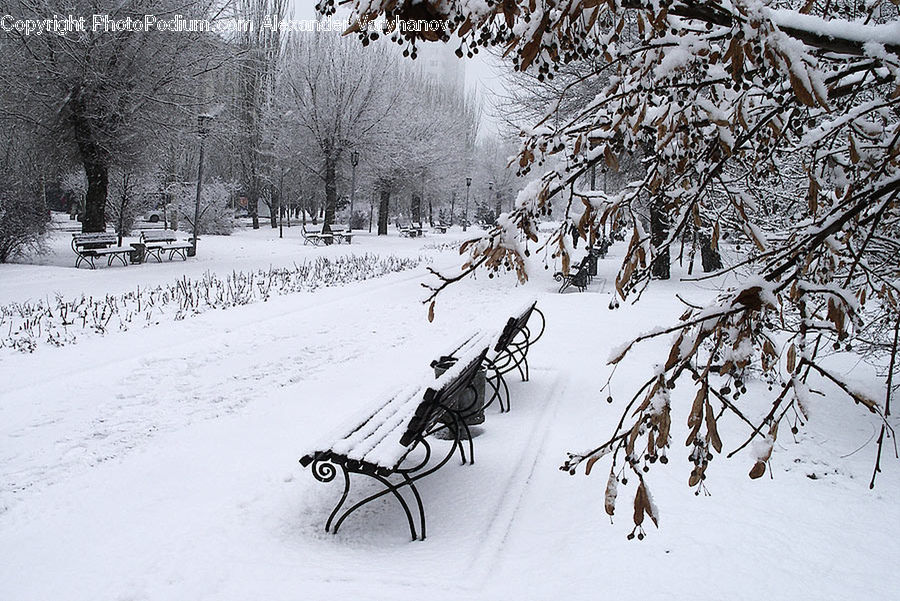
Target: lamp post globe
(466, 211)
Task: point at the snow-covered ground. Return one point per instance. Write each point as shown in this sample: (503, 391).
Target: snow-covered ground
(161, 463)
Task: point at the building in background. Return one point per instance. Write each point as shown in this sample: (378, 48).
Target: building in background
(439, 62)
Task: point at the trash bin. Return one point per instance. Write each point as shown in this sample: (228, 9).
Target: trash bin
(138, 253)
(475, 412)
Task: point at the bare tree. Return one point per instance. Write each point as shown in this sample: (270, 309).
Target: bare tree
(260, 48)
(340, 96)
(99, 92)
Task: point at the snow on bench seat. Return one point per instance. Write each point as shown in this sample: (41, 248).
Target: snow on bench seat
(381, 439)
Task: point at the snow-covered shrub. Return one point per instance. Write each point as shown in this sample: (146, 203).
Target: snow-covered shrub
(24, 326)
(216, 215)
(23, 222)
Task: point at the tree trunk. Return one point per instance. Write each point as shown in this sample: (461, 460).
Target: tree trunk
(94, 217)
(416, 209)
(659, 231)
(275, 209)
(452, 206)
(383, 206)
(709, 256)
(330, 190)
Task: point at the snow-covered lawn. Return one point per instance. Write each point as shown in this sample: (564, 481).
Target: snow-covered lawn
(160, 463)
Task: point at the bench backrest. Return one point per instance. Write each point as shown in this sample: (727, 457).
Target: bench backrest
(158, 236)
(513, 326)
(94, 239)
(434, 401)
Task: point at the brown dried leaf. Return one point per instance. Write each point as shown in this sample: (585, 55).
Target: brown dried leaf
(695, 419)
(712, 429)
(800, 91)
(854, 152)
(694, 478)
(749, 297)
(675, 353)
(759, 468)
(665, 423)
(431, 312)
(590, 465)
(791, 358)
(632, 437)
(611, 160)
(639, 503)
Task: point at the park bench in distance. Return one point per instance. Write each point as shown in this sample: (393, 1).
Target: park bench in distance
(316, 238)
(340, 235)
(319, 238)
(89, 246)
(580, 277)
(389, 441)
(412, 231)
(156, 242)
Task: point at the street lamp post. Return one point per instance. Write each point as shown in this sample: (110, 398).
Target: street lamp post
(203, 122)
(466, 211)
(354, 161)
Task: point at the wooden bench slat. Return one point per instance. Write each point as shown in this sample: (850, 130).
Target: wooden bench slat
(373, 441)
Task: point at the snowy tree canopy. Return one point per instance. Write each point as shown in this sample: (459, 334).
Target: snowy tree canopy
(776, 122)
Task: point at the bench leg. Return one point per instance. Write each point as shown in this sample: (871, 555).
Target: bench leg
(120, 256)
(497, 381)
(391, 488)
(326, 471)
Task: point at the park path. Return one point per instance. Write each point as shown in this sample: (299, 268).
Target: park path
(62, 413)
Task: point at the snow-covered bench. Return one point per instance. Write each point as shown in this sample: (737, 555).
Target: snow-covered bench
(316, 238)
(156, 242)
(340, 235)
(389, 444)
(580, 277)
(509, 351)
(412, 231)
(89, 246)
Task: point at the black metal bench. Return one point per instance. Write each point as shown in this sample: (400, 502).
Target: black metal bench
(509, 352)
(601, 247)
(580, 277)
(389, 443)
(156, 242)
(340, 235)
(316, 238)
(412, 231)
(90, 246)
